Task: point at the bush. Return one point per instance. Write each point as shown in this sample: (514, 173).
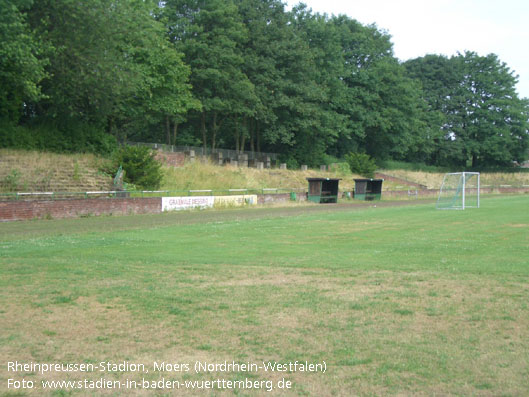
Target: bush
(328, 159)
(362, 164)
(76, 137)
(340, 168)
(140, 166)
(11, 181)
(292, 164)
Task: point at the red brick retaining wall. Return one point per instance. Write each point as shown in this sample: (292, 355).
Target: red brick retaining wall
(72, 208)
(23, 210)
(405, 193)
(279, 198)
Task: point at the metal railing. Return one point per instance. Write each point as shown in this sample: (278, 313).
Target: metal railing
(142, 193)
(15, 196)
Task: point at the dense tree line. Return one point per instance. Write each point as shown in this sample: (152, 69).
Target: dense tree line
(473, 113)
(247, 75)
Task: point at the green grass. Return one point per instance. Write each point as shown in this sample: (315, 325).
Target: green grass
(396, 300)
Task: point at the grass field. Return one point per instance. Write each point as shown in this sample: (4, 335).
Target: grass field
(400, 300)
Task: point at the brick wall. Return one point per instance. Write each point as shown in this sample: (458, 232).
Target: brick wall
(423, 193)
(279, 198)
(74, 208)
(23, 210)
(31, 209)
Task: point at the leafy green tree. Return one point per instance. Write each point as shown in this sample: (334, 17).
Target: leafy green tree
(439, 78)
(21, 61)
(291, 115)
(393, 128)
(264, 21)
(111, 67)
(211, 35)
(163, 97)
(89, 70)
(381, 104)
(476, 109)
(493, 121)
(325, 89)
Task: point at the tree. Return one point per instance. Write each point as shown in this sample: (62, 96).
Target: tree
(21, 63)
(324, 69)
(292, 115)
(439, 78)
(493, 120)
(89, 70)
(264, 20)
(163, 95)
(382, 103)
(111, 67)
(211, 35)
(483, 122)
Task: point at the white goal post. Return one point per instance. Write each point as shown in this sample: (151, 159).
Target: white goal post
(459, 190)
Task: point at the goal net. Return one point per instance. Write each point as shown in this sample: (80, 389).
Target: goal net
(459, 190)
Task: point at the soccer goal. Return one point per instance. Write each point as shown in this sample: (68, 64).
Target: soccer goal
(459, 190)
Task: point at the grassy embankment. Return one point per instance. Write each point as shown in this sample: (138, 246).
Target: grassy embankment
(36, 171)
(33, 171)
(207, 176)
(405, 300)
(433, 180)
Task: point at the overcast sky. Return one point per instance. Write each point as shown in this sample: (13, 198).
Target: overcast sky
(420, 27)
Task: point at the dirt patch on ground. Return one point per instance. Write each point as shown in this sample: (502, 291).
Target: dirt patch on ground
(519, 225)
(12, 230)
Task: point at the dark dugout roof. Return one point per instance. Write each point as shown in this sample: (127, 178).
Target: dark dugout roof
(323, 179)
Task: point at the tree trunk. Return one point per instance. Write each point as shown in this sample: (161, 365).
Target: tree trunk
(252, 136)
(214, 131)
(203, 129)
(175, 130)
(243, 137)
(168, 129)
(110, 125)
(237, 134)
(257, 132)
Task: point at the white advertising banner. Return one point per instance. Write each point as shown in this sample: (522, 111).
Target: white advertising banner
(189, 202)
(238, 200)
(183, 203)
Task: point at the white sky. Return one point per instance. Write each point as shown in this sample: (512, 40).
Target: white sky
(420, 27)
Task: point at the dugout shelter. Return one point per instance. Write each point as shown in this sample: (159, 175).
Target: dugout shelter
(368, 189)
(323, 190)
